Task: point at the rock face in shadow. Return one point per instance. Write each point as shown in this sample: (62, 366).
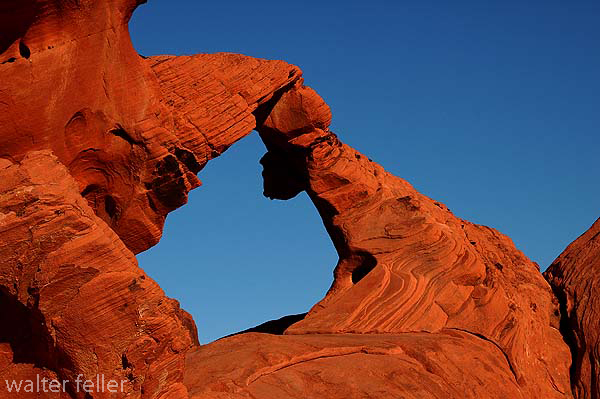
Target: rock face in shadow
(99, 144)
(574, 277)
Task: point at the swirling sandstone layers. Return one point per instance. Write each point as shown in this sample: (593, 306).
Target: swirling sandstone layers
(406, 262)
(574, 277)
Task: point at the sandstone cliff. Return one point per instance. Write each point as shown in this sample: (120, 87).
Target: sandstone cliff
(574, 277)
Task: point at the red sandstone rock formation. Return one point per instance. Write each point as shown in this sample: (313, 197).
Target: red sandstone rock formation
(133, 132)
(407, 264)
(117, 123)
(449, 364)
(98, 145)
(574, 276)
(72, 297)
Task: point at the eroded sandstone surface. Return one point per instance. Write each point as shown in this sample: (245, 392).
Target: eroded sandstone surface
(99, 144)
(133, 132)
(574, 276)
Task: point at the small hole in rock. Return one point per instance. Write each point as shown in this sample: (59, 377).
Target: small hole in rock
(24, 50)
(367, 264)
(151, 203)
(122, 133)
(111, 207)
(90, 189)
(125, 362)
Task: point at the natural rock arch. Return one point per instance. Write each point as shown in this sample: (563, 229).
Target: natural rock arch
(418, 296)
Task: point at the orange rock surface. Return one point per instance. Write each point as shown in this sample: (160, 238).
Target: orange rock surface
(73, 299)
(133, 132)
(574, 277)
(99, 144)
(407, 264)
(448, 364)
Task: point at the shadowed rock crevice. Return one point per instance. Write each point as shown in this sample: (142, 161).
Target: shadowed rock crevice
(15, 19)
(24, 50)
(122, 133)
(568, 328)
(574, 280)
(105, 205)
(24, 329)
(366, 265)
(274, 327)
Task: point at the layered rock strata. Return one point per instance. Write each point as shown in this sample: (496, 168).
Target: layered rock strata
(73, 299)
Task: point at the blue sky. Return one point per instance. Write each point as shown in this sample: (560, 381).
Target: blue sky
(490, 107)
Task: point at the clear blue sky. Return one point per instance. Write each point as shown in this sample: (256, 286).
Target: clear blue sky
(490, 107)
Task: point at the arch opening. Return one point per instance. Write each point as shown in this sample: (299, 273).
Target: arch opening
(237, 261)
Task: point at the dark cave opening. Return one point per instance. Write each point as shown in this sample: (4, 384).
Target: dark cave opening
(104, 204)
(24, 50)
(367, 264)
(25, 331)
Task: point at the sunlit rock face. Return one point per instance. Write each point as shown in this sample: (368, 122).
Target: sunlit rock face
(99, 144)
(133, 132)
(574, 277)
(407, 264)
(73, 300)
(119, 151)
